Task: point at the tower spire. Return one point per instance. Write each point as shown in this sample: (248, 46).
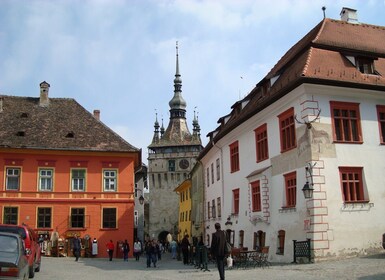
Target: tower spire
(177, 103)
(155, 139)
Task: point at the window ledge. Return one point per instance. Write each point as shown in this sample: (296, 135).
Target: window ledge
(347, 142)
(287, 210)
(357, 206)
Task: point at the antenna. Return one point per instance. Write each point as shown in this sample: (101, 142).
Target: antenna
(323, 10)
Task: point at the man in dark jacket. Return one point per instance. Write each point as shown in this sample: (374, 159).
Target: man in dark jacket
(76, 246)
(218, 243)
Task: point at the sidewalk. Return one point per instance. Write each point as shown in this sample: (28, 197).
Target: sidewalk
(365, 268)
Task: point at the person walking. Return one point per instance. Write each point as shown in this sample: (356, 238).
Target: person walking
(137, 249)
(148, 249)
(173, 246)
(126, 249)
(185, 248)
(76, 246)
(218, 243)
(110, 249)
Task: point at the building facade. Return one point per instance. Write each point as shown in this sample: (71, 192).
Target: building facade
(63, 172)
(172, 154)
(184, 224)
(317, 121)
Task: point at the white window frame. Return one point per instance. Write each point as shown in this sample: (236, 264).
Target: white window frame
(110, 180)
(12, 173)
(45, 179)
(78, 184)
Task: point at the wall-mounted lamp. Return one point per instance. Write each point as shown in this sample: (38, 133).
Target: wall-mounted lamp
(308, 188)
(229, 222)
(141, 199)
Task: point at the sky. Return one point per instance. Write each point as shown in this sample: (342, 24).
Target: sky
(118, 56)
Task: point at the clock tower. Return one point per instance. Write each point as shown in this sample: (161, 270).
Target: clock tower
(171, 156)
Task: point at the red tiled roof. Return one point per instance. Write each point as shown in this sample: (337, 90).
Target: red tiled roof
(319, 57)
(63, 125)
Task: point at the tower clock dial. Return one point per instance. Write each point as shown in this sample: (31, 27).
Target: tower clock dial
(184, 163)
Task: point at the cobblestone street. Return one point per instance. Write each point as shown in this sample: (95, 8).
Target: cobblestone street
(364, 268)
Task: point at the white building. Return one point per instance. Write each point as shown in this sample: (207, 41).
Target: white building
(317, 117)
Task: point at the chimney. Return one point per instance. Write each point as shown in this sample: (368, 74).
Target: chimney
(44, 89)
(349, 15)
(97, 114)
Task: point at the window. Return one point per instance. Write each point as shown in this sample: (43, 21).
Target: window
(110, 180)
(381, 122)
(346, 122)
(109, 217)
(234, 157)
(365, 65)
(352, 184)
(214, 214)
(45, 179)
(78, 179)
(256, 196)
(241, 237)
(77, 217)
(281, 242)
(136, 218)
(208, 176)
(44, 217)
(236, 201)
(10, 215)
(291, 189)
(208, 210)
(261, 143)
(171, 165)
(13, 179)
(218, 169)
(160, 180)
(287, 130)
(219, 207)
(212, 173)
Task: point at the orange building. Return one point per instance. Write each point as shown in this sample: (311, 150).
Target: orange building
(63, 172)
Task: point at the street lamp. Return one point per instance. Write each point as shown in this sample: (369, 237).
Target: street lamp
(307, 190)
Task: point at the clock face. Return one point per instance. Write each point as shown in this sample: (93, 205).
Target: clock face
(184, 163)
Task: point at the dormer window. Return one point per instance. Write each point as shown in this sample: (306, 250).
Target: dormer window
(365, 65)
(24, 115)
(70, 135)
(20, 133)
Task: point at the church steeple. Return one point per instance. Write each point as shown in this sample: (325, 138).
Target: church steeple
(177, 103)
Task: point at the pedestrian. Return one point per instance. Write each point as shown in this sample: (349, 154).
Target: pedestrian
(173, 246)
(151, 249)
(154, 252)
(137, 249)
(126, 249)
(94, 247)
(110, 249)
(185, 244)
(160, 249)
(76, 246)
(218, 243)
